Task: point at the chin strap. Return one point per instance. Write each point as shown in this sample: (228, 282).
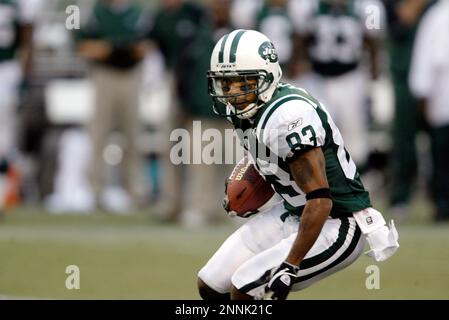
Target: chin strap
(247, 113)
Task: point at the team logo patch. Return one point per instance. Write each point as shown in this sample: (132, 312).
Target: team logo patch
(268, 52)
(294, 124)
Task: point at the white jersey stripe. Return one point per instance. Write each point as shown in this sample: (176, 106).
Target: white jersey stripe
(267, 111)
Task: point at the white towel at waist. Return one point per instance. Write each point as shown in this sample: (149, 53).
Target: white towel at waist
(383, 240)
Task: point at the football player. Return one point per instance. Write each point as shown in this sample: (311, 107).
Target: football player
(326, 216)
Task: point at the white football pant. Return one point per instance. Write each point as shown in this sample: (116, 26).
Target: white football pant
(247, 257)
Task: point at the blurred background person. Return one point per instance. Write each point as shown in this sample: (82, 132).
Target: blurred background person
(429, 80)
(220, 13)
(175, 25)
(53, 116)
(184, 32)
(113, 40)
(17, 18)
(274, 21)
(336, 38)
(244, 13)
(403, 17)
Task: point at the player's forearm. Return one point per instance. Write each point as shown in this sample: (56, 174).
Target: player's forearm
(313, 217)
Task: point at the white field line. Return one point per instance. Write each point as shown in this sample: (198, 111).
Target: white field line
(11, 297)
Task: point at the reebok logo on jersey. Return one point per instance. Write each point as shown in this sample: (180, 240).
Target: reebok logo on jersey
(294, 124)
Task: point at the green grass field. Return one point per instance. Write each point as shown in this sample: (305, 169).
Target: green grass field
(134, 257)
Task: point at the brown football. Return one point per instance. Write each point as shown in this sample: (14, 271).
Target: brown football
(247, 190)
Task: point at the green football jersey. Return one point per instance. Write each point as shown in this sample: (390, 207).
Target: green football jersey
(119, 27)
(291, 122)
(9, 25)
(336, 36)
(173, 30)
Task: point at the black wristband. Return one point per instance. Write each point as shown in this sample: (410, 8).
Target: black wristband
(319, 193)
(292, 267)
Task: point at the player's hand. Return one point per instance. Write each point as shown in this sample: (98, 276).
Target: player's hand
(232, 213)
(225, 202)
(226, 206)
(281, 282)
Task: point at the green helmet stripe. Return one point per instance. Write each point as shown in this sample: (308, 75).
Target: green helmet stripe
(221, 53)
(234, 45)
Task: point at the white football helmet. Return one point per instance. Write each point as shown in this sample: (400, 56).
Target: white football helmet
(243, 54)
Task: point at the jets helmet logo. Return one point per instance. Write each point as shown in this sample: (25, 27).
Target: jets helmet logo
(268, 52)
